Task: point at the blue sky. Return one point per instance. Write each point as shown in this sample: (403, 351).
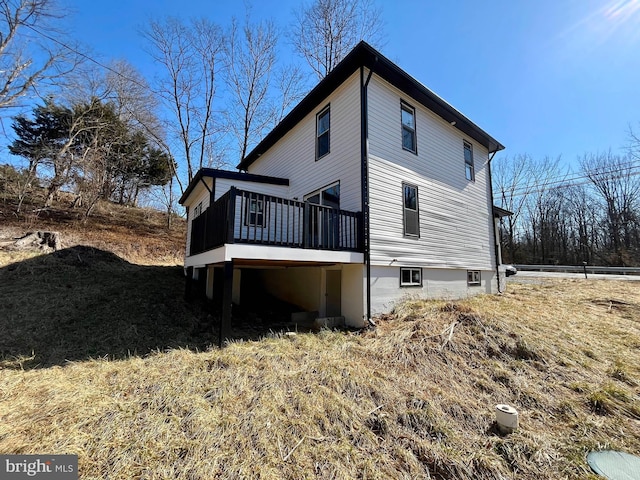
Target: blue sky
(550, 77)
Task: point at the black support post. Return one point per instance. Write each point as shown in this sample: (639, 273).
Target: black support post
(188, 282)
(227, 299)
(231, 215)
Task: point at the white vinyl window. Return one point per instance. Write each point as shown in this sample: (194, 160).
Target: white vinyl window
(328, 196)
(411, 214)
(473, 277)
(254, 215)
(468, 162)
(323, 126)
(410, 277)
(408, 122)
(198, 210)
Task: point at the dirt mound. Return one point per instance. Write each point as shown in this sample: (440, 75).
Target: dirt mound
(83, 255)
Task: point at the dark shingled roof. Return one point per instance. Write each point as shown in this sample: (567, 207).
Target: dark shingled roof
(244, 177)
(365, 55)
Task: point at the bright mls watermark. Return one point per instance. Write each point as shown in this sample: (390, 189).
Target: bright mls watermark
(50, 467)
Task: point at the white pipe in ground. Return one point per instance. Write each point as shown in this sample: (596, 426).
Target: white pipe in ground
(506, 418)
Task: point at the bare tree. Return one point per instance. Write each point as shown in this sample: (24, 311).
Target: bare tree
(326, 30)
(190, 54)
(137, 106)
(290, 86)
(634, 144)
(616, 180)
(167, 197)
(543, 205)
(31, 52)
(583, 212)
(251, 56)
(135, 103)
(512, 183)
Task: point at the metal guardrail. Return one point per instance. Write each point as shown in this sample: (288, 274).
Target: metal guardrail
(580, 269)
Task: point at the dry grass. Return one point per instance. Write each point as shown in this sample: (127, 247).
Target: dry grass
(81, 303)
(99, 357)
(137, 235)
(413, 398)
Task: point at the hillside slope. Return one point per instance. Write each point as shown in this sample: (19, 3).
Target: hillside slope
(407, 400)
(138, 235)
(100, 358)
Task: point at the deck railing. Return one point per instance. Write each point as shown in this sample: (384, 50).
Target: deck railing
(240, 216)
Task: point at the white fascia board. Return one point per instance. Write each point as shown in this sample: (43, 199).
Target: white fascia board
(261, 252)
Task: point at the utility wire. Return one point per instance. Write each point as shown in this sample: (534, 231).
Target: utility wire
(569, 180)
(85, 56)
(559, 187)
(578, 175)
(565, 182)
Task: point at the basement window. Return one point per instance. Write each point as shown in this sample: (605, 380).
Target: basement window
(473, 278)
(410, 277)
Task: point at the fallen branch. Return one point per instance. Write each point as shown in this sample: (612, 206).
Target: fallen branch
(293, 449)
(448, 339)
(377, 408)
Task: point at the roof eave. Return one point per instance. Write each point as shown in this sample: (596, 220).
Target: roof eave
(227, 174)
(365, 55)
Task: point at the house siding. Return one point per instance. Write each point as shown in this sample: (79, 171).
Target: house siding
(455, 213)
(293, 156)
(200, 194)
(222, 186)
(436, 283)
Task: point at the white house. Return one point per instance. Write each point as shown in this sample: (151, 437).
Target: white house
(371, 189)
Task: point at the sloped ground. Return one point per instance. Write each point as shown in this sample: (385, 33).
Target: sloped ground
(101, 357)
(413, 398)
(138, 235)
(82, 302)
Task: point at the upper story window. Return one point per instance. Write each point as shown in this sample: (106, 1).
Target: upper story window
(410, 210)
(323, 125)
(408, 120)
(468, 162)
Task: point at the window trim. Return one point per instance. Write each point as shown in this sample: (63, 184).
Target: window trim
(326, 109)
(197, 211)
(258, 215)
(471, 280)
(417, 210)
(408, 108)
(320, 190)
(468, 167)
(411, 283)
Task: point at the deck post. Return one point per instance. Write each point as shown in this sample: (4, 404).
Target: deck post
(306, 220)
(188, 281)
(227, 302)
(231, 215)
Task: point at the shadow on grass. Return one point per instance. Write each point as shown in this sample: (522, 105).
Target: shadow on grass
(81, 303)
